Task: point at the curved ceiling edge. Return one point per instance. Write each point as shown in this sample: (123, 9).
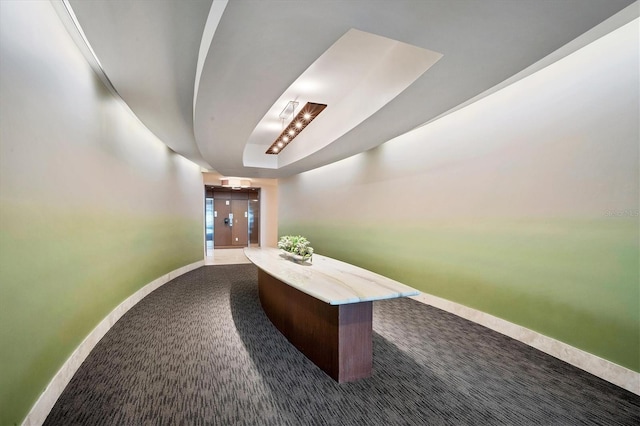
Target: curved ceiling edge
(152, 72)
(261, 48)
(215, 14)
(357, 76)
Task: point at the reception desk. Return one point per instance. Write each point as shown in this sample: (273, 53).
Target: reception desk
(324, 308)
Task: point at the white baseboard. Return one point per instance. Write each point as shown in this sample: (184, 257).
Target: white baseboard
(41, 409)
(607, 370)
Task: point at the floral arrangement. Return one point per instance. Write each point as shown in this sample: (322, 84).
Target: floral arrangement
(296, 244)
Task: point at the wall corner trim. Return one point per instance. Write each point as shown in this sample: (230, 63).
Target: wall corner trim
(42, 407)
(606, 370)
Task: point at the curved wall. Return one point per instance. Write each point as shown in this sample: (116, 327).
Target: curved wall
(523, 205)
(92, 205)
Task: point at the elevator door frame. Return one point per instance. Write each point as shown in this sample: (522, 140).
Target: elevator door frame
(244, 204)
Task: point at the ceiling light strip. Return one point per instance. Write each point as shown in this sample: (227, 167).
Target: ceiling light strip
(300, 121)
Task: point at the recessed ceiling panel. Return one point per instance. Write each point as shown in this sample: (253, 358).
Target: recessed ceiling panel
(359, 74)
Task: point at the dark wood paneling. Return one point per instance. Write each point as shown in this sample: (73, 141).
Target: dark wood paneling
(338, 339)
(355, 341)
(221, 195)
(239, 195)
(254, 224)
(221, 231)
(226, 237)
(240, 230)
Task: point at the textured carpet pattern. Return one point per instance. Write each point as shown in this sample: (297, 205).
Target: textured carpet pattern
(200, 350)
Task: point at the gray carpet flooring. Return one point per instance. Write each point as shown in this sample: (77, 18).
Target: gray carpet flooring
(200, 350)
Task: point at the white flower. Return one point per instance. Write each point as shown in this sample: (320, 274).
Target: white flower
(296, 244)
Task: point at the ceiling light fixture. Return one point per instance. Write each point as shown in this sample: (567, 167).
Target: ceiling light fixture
(289, 110)
(306, 115)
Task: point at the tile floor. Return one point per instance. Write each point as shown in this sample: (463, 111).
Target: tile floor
(226, 257)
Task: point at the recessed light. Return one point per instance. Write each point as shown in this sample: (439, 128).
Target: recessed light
(297, 125)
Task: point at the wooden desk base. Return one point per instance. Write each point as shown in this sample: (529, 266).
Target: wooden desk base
(337, 338)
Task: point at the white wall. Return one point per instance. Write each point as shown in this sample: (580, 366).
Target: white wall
(92, 205)
(523, 204)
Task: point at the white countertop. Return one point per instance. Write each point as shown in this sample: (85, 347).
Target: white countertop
(327, 279)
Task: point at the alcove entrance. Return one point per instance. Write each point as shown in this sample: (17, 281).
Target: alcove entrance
(232, 217)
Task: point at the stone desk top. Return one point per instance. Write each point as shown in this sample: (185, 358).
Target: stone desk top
(327, 279)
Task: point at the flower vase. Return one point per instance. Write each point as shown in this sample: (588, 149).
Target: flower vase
(295, 257)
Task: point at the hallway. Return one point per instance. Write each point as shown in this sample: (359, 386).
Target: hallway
(200, 350)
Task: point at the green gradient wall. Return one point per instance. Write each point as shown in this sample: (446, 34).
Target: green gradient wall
(523, 205)
(92, 205)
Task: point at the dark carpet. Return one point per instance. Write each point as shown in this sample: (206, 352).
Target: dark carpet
(199, 350)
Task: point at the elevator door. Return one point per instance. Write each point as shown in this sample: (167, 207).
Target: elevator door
(231, 223)
(240, 228)
(221, 227)
(235, 215)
